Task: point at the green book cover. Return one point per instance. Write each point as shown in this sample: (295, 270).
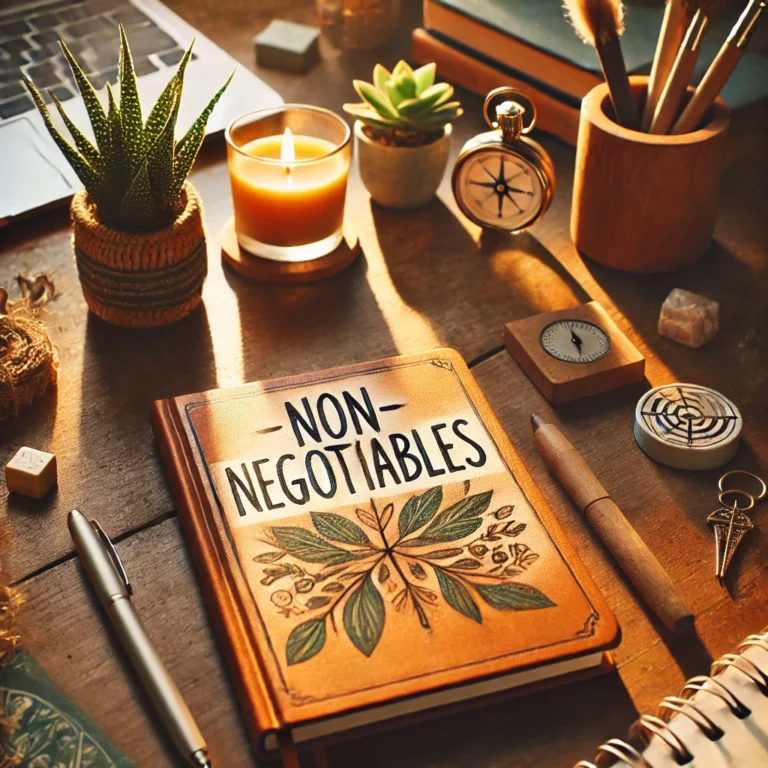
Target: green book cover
(41, 728)
(542, 25)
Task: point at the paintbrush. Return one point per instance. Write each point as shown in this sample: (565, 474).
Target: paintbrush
(600, 23)
(680, 75)
(721, 68)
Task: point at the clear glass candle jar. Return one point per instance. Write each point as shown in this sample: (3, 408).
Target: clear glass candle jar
(288, 170)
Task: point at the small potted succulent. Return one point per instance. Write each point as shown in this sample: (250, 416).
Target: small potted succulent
(403, 133)
(138, 229)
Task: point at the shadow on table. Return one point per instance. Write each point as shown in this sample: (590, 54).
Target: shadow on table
(291, 329)
(133, 367)
(570, 722)
(124, 371)
(433, 260)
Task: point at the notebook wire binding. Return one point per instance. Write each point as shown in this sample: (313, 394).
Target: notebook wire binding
(656, 725)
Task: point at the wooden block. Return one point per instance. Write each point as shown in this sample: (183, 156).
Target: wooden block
(287, 46)
(31, 472)
(601, 358)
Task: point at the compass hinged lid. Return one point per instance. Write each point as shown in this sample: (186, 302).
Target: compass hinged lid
(573, 353)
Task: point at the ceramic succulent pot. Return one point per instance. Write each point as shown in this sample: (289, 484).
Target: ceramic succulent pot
(141, 280)
(402, 177)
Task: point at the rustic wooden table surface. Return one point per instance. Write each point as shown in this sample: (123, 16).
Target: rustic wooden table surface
(428, 278)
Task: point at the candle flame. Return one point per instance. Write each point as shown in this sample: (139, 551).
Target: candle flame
(288, 151)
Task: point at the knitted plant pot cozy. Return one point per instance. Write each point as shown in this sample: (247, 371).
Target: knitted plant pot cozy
(141, 280)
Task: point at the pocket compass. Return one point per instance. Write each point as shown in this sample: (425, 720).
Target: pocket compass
(503, 179)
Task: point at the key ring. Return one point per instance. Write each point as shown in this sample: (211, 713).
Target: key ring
(744, 473)
(735, 492)
(730, 523)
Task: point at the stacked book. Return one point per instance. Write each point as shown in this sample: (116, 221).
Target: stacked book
(528, 44)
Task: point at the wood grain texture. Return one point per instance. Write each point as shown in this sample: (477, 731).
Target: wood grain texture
(426, 278)
(645, 203)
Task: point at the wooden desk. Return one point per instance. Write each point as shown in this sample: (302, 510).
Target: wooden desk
(428, 278)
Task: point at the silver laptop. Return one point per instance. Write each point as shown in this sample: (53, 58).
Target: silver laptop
(33, 172)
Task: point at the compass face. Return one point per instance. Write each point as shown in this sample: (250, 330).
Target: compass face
(500, 189)
(575, 341)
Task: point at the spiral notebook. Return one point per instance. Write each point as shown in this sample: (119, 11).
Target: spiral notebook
(719, 721)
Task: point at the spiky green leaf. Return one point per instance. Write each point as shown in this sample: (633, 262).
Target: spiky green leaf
(158, 115)
(424, 77)
(80, 166)
(138, 204)
(160, 157)
(188, 147)
(131, 122)
(84, 146)
(92, 104)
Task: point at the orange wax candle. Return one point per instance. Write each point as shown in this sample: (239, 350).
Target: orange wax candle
(288, 190)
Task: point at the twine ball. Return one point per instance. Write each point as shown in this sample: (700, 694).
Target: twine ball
(28, 359)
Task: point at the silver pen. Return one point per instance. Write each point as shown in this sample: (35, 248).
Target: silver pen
(109, 580)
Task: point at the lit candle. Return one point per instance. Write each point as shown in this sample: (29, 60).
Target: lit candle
(288, 189)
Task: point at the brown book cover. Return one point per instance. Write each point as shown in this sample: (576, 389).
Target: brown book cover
(553, 115)
(370, 547)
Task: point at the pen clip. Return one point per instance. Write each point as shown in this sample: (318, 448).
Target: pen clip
(113, 556)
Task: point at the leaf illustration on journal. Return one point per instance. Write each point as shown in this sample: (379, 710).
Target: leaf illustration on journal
(347, 574)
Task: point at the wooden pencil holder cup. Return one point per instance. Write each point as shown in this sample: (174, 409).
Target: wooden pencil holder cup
(645, 203)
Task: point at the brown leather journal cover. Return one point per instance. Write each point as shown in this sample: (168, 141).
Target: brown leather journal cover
(368, 534)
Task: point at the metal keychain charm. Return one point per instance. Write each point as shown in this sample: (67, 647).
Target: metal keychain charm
(731, 523)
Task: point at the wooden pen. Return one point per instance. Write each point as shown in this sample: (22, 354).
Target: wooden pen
(680, 76)
(721, 68)
(619, 537)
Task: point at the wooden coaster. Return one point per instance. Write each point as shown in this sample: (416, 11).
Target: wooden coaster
(270, 271)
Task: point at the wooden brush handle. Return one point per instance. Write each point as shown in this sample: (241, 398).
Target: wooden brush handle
(709, 88)
(670, 37)
(672, 96)
(615, 72)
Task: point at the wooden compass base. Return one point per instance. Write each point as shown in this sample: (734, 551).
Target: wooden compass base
(289, 272)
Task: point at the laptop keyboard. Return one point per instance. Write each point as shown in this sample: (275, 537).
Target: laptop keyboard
(29, 44)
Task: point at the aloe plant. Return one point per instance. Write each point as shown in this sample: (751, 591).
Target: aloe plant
(405, 101)
(136, 171)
